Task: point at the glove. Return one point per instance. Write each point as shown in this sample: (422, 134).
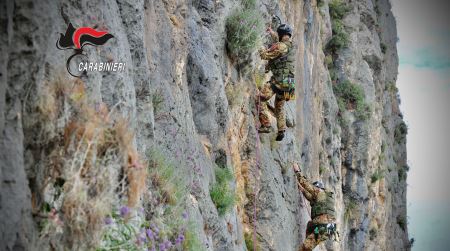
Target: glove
(296, 168)
(261, 50)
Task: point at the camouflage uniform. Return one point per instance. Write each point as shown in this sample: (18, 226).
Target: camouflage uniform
(322, 213)
(280, 59)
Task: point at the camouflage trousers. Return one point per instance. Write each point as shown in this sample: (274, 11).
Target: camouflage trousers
(312, 239)
(266, 93)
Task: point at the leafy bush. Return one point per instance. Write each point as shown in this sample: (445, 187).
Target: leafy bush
(373, 233)
(377, 175)
(320, 3)
(402, 222)
(391, 88)
(244, 32)
(339, 39)
(221, 193)
(401, 130)
(383, 48)
(402, 173)
(338, 9)
(350, 95)
(322, 169)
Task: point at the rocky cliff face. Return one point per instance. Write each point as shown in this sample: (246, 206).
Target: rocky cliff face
(184, 96)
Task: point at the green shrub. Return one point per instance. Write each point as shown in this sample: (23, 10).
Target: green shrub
(329, 61)
(402, 173)
(335, 130)
(401, 221)
(166, 179)
(352, 95)
(320, 3)
(373, 233)
(401, 130)
(391, 88)
(322, 169)
(248, 4)
(338, 9)
(191, 242)
(221, 193)
(377, 175)
(383, 48)
(157, 101)
(377, 10)
(244, 32)
(339, 39)
(333, 74)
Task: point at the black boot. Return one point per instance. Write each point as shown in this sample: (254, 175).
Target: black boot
(280, 136)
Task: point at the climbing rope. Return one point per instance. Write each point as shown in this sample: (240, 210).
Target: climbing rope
(257, 164)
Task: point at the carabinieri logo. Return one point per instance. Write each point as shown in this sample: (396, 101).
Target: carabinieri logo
(76, 39)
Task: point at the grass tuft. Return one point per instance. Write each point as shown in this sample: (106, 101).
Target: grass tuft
(377, 175)
(221, 193)
(244, 28)
(351, 96)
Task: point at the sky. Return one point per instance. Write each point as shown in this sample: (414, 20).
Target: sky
(424, 85)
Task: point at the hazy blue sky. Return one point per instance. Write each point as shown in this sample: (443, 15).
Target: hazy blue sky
(424, 83)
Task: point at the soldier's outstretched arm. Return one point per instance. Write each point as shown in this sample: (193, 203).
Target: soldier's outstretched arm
(273, 35)
(274, 51)
(308, 190)
(305, 193)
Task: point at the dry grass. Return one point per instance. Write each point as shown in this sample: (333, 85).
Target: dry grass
(93, 150)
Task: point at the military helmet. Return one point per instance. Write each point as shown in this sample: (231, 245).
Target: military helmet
(319, 184)
(284, 29)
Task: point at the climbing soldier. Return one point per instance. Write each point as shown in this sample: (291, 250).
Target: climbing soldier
(322, 225)
(280, 58)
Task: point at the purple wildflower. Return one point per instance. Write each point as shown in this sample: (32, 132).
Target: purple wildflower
(150, 234)
(108, 220)
(181, 237)
(142, 238)
(184, 215)
(162, 247)
(168, 244)
(124, 211)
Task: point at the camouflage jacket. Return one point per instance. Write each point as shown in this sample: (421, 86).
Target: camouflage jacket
(281, 57)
